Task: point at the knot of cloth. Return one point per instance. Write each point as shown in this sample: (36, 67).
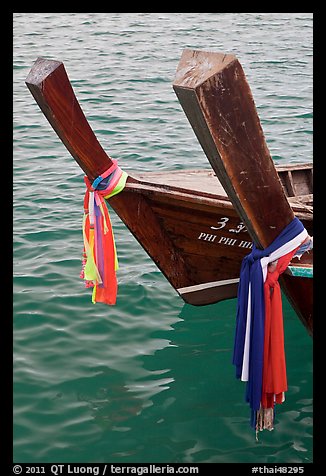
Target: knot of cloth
(100, 262)
(256, 254)
(258, 353)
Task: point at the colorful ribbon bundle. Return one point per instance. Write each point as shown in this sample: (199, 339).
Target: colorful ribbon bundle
(99, 257)
(259, 355)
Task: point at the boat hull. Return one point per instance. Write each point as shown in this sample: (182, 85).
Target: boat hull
(198, 242)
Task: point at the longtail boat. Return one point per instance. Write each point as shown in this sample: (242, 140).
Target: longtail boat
(198, 225)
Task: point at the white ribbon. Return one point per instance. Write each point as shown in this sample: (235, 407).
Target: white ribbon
(264, 262)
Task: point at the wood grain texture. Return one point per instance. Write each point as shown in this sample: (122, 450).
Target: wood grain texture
(220, 108)
(49, 84)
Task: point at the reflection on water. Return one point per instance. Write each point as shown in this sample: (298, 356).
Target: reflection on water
(148, 387)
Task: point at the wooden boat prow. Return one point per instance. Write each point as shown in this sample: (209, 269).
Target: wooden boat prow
(186, 221)
(221, 110)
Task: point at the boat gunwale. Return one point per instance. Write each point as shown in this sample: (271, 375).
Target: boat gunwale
(164, 190)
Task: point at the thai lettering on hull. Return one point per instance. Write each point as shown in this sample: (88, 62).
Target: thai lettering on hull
(225, 240)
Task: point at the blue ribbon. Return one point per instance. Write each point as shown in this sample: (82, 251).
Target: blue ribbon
(251, 272)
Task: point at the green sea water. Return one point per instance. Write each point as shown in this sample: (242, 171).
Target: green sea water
(150, 379)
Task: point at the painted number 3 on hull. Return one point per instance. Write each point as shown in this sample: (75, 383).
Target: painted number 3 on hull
(222, 223)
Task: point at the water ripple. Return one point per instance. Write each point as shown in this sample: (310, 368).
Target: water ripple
(149, 379)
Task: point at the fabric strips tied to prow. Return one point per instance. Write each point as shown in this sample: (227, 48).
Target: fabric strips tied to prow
(259, 355)
(100, 258)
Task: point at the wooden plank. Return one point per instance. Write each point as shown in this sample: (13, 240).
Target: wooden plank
(216, 97)
(49, 84)
(289, 184)
(205, 181)
(302, 181)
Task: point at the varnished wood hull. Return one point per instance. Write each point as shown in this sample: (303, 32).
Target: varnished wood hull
(197, 240)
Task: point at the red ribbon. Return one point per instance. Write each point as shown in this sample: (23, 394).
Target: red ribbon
(274, 366)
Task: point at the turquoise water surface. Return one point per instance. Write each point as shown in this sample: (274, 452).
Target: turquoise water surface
(150, 379)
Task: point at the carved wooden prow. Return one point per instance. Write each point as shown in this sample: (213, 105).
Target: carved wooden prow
(216, 98)
(49, 84)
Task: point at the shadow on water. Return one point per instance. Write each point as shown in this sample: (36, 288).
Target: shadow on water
(203, 414)
(172, 407)
(186, 405)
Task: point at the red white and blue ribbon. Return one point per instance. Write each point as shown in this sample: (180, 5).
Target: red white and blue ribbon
(259, 342)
